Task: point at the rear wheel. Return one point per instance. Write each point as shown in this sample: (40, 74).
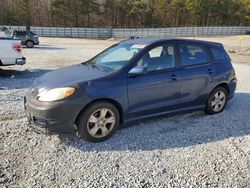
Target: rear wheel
(29, 44)
(98, 122)
(217, 101)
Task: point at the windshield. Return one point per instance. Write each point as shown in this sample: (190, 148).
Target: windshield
(31, 33)
(115, 57)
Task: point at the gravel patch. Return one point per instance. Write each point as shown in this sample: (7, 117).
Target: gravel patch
(190, 150)
(240, 51)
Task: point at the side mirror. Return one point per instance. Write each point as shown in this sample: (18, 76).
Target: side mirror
(137, 71)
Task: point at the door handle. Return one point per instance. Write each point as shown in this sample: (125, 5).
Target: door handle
(173, 77)
(210, 71)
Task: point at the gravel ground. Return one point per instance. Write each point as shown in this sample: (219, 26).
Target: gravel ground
(191, 150)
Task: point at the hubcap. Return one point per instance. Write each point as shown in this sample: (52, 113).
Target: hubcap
(30, 44)
(218, 101)
(101, 123)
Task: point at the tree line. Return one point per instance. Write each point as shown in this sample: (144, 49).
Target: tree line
(125, 13)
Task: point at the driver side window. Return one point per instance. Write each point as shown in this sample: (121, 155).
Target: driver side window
(122, 54)
(158, 58)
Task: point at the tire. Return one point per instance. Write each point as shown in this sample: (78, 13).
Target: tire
(217, 101)
(29, 44)
(98, 122)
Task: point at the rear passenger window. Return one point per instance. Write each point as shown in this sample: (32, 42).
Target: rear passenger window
(19, 33)
(192, 55)
(220, 54)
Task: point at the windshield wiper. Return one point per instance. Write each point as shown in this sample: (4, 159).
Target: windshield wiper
(88, 63)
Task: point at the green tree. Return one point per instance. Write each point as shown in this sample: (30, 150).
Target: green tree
(73, 13)
(125, 13)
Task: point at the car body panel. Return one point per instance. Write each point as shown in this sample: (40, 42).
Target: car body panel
(152, 93)
(68, 76)
(194, 82)
(100, 90)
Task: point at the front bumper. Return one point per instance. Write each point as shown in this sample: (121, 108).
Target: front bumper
(56, 116)
(36, 41)
(21, 61)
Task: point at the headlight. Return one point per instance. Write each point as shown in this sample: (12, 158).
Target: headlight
(55, 94)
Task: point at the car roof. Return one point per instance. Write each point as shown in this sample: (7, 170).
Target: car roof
(148, 41)
(20, 30)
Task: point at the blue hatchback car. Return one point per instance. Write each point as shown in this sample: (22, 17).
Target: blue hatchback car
(132, 80)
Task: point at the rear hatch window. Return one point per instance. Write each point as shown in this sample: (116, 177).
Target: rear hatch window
(220, 54)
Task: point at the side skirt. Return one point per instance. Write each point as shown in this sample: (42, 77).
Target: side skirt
(166, 113)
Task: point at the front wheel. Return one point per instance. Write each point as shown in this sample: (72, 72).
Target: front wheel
(217, 101)
(98, 122)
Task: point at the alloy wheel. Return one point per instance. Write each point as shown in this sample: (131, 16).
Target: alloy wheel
(218, 101)
(29, 44)
(101, 123)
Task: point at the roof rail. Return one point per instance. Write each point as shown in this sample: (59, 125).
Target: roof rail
(133, 37)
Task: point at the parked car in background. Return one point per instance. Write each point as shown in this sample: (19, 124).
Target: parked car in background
(5, 33)
(132, 80)
(11, 52)
(28, 38)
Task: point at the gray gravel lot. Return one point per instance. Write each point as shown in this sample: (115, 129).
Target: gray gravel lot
(190, 150)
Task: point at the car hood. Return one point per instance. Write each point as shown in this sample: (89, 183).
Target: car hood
(68, 76)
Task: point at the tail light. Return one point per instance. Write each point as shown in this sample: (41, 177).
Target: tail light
(17, 47)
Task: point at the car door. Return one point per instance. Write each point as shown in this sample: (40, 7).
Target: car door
(158, 89)
(21, 35)
(196, 74)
